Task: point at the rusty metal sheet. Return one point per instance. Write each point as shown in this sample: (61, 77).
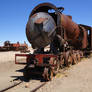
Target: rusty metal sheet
(71, 28)
(40, 20)
(39, 30)
(84, 41)
(86, 26)
(91, 38)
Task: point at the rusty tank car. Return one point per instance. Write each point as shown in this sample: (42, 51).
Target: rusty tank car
(8, 46)
(68, 41)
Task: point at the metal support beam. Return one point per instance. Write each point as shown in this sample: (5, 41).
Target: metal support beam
(91, 37)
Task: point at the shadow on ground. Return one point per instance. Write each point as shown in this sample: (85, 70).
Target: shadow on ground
(32, 77)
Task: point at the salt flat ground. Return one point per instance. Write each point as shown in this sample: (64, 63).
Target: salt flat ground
(78, 78)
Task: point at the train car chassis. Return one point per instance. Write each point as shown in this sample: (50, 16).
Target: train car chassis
(43, 64)
(48, 65)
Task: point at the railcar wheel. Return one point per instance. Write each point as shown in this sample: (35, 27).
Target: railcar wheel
(78, 57)
(70, 60)
(66, 58)
(52, 70)
(48, 74)
(74, 59)
(56, 64)
(61, 61)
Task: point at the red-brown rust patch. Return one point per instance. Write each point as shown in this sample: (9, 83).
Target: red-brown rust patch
(40, 20)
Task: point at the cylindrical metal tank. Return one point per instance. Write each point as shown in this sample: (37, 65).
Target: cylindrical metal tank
(42, 25)
(73, 33)
(72, 30)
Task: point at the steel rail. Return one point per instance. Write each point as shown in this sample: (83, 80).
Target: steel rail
(7, 88)
(34, 90)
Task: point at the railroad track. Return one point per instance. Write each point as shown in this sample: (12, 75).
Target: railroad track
(20, 82)
(12, 86)
(34, 90)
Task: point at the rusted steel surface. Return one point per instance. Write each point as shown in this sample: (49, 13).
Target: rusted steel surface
(58, 22)
(43, 7)
(88, 35)
(38, 57)
(91, 37)
(48, 25)
(39, 30)
(86, 26)
(68, 41)
(41, 20)
(71, 28)
(84, 41)
(36, 64)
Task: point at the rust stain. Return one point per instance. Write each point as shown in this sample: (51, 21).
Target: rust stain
(40, 20)
(34, 15)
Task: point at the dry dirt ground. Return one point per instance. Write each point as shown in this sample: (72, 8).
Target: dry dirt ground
(78, 78)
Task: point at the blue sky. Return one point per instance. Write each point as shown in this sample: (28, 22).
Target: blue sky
(14, 15)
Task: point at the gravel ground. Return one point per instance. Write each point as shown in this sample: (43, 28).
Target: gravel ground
(78, 78)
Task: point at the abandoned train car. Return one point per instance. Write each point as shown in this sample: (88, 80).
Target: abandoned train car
(68, 41)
